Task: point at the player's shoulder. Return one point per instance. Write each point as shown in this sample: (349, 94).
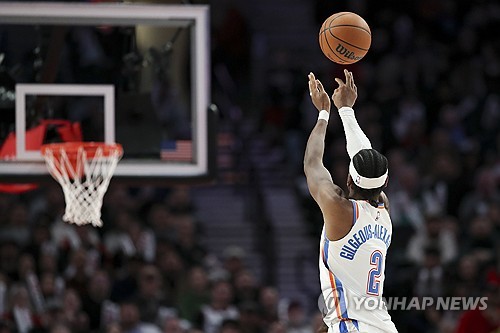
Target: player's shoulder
(338, 216)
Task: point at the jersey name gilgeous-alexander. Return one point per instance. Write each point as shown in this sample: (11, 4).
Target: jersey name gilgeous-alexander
(368, 232)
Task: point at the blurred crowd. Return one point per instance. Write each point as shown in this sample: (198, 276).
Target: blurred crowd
(145, 271)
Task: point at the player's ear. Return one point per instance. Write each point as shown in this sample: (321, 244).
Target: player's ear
(349, 181)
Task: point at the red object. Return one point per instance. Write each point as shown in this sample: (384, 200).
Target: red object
(17, 188)
(493, 277)
(474, 321)
(34, 140)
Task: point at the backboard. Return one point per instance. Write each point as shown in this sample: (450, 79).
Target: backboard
(133, 74)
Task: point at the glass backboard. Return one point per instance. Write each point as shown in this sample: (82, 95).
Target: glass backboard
(133, 74)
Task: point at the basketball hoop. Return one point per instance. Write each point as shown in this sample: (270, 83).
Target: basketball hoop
(84, 170)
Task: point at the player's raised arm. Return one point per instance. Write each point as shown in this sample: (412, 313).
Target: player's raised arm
(336, 209)
(344, 97)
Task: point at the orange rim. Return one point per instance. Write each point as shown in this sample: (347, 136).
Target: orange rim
(71, 148)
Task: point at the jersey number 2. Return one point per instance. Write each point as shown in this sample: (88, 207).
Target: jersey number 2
(373, 285)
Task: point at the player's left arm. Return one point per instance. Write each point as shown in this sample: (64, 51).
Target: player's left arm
(319, 180)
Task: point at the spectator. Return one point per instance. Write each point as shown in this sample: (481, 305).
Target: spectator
(50, 204)
(482, 239)
(446, 183)
(193, 294)
(142, 240)
(48, 263)
(51, 286)
(172, 269)
(54, 313)
(430, 274)
(485, 194)
(116, 240)
(98, 292)
(406, 206)
(219, 309)
(250, 319)
(150, 296)
(245, 288)
(234, 257)
(161, 221)
(125, 284)
(78, 271)
(74, 317)
(17, 228)
(40, 238)
(179, 201)
(296, 319)
(467, 275)
(269, 301)
(26, 266)
(69, 237)
(434, 233)
(130, 320)
(187, 245)
(20, 313)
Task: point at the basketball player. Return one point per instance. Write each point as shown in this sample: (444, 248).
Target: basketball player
(357, 227)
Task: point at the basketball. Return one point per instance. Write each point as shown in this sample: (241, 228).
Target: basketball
(345, 38)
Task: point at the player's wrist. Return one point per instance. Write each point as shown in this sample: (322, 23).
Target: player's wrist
(345, 109)
(324, 115)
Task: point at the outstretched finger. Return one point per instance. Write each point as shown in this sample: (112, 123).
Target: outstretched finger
(320, 86)
(340, 82)
(312, 83)
(347, 78)
(351, 80)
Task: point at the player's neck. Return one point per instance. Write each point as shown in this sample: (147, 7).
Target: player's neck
(355, 196)
(359, 197)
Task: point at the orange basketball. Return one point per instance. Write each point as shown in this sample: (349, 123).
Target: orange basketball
(345, 38)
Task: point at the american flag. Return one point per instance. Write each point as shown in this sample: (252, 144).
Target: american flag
(177, 150)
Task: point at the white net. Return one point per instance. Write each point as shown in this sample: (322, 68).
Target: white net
(84, 179)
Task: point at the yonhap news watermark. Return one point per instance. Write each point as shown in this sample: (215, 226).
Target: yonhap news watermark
(405, 303)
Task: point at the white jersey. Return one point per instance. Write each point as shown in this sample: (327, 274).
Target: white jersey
(352, 276)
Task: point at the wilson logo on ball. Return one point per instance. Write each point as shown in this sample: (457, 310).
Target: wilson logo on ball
(346, 53)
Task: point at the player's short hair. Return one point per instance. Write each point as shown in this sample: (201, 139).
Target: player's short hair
(369, 163)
